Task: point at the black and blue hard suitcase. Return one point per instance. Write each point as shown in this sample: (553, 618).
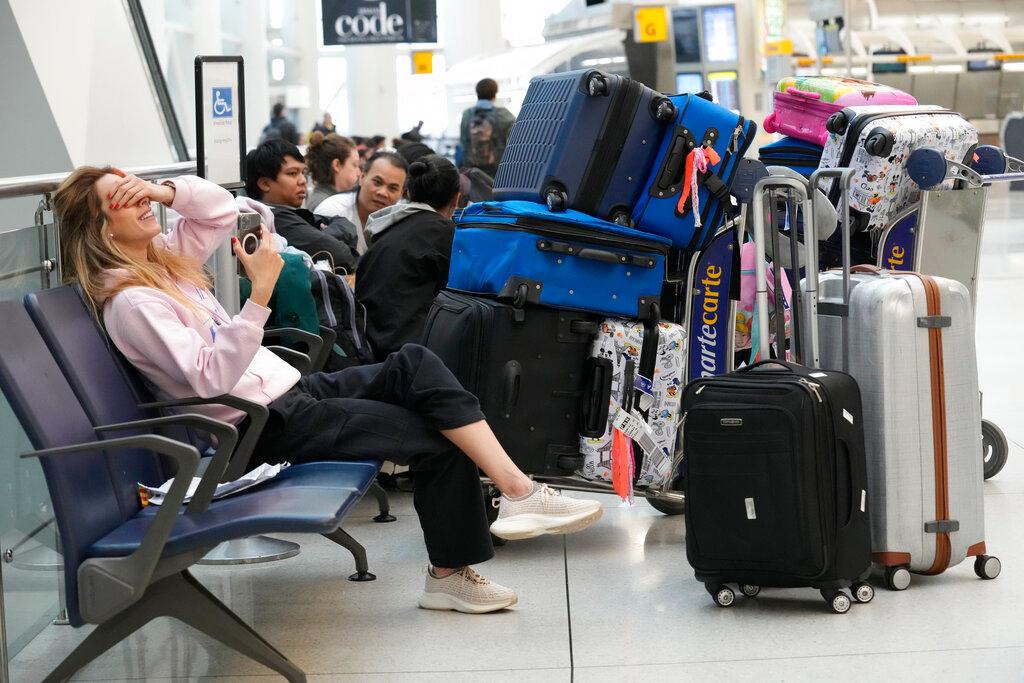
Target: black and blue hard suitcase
(523, 251)
(799, 155)
(583, 140)
(666, 206)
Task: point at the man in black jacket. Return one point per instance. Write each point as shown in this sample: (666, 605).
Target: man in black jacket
(276, 176)
(407, 262)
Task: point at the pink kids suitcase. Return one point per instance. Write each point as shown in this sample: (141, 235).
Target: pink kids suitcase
(804, 103)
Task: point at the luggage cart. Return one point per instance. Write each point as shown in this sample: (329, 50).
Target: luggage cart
(941, 235)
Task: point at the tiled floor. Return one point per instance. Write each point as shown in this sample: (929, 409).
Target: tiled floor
(619, 601)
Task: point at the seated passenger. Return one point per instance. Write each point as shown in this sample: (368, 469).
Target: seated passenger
(381, 186)
(154, 299)
(410, 250)
(276, 176)
(333, 163)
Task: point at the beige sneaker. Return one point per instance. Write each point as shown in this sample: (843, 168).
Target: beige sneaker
(545, 511)
(466, 591)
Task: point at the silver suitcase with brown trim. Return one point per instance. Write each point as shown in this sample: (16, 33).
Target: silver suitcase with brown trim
(912, 351)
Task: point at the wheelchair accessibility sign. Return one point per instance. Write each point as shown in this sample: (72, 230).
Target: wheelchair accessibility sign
(222, 103)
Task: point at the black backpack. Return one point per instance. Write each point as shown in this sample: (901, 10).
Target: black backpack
(338, 308)
(486, 141)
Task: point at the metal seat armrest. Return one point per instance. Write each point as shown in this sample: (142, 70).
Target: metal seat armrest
(330, 337)
(296, 359)
(117, 582)
(258, 415)
(227, 439)
(314, 344)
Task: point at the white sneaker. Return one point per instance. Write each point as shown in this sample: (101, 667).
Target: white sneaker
(466, 591)
(545, 511)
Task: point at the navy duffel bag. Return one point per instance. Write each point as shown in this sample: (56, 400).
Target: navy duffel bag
(522, 252)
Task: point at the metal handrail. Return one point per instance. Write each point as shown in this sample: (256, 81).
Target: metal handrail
(27, 185)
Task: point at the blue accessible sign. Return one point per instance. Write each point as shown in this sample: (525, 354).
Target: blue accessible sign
(222, 103)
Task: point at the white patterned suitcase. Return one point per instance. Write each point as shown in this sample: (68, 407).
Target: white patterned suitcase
(912, 352)
(877, 141)
(620, 341)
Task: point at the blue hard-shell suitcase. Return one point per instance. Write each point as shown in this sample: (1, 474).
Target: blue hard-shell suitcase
(661, 208)
(583, 140)
(524, 252)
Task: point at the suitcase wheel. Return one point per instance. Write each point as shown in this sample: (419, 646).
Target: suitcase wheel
(987, 566)
(839, 601)
(664, 110)
(749, 590)
(897, 578)
(556, 199)
(879, 142)
(596, 85)
(863, 592)
(837, 123)
(994, 448)
(622, 218)
(724, 596)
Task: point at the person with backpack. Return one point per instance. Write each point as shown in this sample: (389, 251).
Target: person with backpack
(485, 129)
(280, 127)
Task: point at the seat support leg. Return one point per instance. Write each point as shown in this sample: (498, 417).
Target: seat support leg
(342, 538)
(181, 597)
(383, 504)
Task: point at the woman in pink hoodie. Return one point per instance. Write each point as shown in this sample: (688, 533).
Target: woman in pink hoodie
(153, 297)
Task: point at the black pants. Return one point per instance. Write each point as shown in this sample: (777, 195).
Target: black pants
(393, 411)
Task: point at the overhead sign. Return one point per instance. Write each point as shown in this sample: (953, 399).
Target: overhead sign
(650, 24)
(366, 22)
(422, 62)
(773, 48)
(220, 120)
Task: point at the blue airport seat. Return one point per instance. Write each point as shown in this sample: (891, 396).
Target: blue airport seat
(306, 502)
(123, 567)
(112, 391)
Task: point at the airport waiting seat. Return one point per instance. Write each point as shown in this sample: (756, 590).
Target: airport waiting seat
(125, 565)
(111, 391)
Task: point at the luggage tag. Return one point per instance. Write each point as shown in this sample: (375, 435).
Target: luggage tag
(633, 425)
(646, 389)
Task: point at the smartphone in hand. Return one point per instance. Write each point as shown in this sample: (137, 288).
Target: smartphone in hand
(248, 233)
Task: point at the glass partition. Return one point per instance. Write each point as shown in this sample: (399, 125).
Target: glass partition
(30, 567)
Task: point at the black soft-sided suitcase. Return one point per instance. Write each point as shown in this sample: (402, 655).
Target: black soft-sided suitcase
(776, 482)
(529, 366)
(584, 140)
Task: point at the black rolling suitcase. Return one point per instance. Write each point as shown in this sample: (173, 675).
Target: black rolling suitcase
(776, 482)
(774, 467)
(530, 367)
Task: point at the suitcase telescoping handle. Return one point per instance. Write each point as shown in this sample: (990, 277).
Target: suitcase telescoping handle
(808, 300)
(804, 93)
(844, 176)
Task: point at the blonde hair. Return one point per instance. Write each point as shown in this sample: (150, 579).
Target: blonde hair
(86, 250)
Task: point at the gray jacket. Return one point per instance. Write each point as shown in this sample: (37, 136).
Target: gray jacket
(379, 221)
